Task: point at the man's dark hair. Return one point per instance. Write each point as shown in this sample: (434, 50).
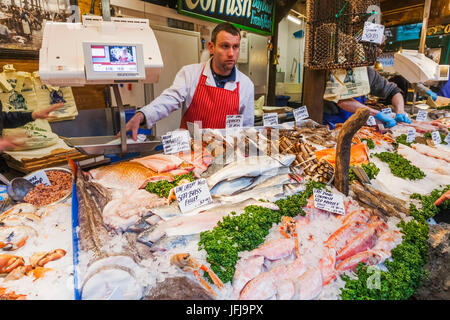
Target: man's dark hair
(224, 26)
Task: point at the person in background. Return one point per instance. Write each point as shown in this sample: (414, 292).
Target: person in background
(210, 90)
(380, 87)
(17, 119)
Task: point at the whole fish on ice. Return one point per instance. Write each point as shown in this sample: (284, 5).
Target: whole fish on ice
(250, 167)
(194, 224)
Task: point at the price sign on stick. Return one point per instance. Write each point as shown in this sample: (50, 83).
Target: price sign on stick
(193, 195)
(386, 110)
(270, 119)
(38, 178)
(371, 121)
(411, 136)
(436, 137)
(373, 32)
(176, 141)
(234, 121)
(301, 113)
(328, 201)
(422, 115)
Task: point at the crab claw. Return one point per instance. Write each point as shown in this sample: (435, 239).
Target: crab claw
(9, 262)
(41, 258)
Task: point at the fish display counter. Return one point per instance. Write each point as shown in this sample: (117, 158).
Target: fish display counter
(262, 220)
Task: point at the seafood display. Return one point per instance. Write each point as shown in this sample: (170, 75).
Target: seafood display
(36, 252)
(262, 236)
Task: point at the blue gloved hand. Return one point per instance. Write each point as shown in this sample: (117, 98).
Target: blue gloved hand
(432, 95)
(402, 117)
(387, 119)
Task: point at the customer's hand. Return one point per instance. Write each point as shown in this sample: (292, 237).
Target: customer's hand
(387, 119)
(6, 144)
(45, 113)
(402, 117)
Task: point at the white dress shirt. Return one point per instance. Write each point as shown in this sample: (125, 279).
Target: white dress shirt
(183, 89)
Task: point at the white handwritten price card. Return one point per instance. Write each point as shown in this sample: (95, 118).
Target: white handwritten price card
(270, 119)
(372, 32)
(193, 195)
(176, 141)
(328, 201)
(38, 178)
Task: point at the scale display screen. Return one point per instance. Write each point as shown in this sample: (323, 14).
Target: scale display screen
(114, 58)
(114, 61)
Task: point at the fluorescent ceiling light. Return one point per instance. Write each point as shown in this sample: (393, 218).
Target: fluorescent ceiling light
(294, 19)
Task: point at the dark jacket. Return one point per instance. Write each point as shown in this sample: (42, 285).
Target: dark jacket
(13, 119)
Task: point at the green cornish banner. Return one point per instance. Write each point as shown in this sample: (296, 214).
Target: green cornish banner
(252, 15)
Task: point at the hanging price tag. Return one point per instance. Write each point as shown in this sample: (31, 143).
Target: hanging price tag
(371, 121)
(435, 135)
(176, 141)
(38, 178)
(372, 32)
(422, 115)
(301, 113)
(411, 136)
(193, 195)
(270, 119)
(328, 201)
(234, 121)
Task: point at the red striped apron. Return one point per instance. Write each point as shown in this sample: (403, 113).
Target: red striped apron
(211, 105)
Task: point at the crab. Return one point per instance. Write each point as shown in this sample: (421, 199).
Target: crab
(289, 230)
(185, 262)
(9, 262)
(39, 259)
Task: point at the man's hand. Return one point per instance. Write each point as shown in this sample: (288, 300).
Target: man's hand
(387, 120)
(45, 113)
(402, 117)
(133, 125)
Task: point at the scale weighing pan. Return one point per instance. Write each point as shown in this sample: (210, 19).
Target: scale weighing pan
(110, 145)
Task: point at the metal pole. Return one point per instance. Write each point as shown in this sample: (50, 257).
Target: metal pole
(123, 133)
(423, 34)
(106, 10)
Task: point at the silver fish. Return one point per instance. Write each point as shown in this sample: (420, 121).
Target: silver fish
(194, 224)
(250, 167)
(230, 187)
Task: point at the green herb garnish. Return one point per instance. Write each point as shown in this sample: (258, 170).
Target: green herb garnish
(400, 167)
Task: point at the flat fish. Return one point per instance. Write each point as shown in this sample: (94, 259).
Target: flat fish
(424, 162)
(123, 175)
(250, 167)
(432, 152)
(124, 212)
(230, 187)
(194, 224)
